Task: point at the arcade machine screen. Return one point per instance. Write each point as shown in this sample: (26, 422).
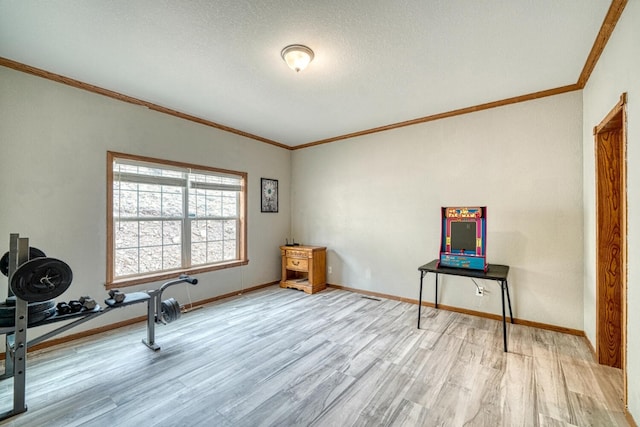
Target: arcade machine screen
(463, 236)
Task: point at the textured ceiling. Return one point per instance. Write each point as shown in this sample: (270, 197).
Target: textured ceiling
(376, 62)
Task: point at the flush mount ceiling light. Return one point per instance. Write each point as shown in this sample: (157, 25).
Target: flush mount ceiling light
(297, 56)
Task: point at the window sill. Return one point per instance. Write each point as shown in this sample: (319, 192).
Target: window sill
(165, 275)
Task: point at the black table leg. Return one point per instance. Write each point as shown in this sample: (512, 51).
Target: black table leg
(504, 320)
(422, 274)
(506, 286)
(436, 301)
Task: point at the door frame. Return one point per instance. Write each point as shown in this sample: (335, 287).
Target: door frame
(614, 121)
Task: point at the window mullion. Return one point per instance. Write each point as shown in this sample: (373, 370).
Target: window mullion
(238, 225)
(186, 228)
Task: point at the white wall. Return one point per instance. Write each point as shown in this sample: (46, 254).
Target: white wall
(375, 201)
(54, 140)
(617, 71)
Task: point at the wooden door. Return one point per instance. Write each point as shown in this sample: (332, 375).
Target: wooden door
(611, 271)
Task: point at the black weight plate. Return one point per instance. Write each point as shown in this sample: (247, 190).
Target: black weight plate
(4, 261)
(11, 301)
(8, 309)
(35, 318)
(4, 264)
(170, 310)
(39, 317)
(41, 279)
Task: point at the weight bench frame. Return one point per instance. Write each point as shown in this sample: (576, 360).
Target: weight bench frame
(16, 344)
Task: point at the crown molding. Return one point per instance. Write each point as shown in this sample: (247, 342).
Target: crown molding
(18, 66)
(608, 25)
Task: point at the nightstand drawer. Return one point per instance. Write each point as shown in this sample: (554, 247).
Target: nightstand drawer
(297, 254)
(298, 264)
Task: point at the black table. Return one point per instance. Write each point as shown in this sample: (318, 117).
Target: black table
(495, 272)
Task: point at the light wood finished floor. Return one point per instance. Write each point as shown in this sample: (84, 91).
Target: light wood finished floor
(279, 357)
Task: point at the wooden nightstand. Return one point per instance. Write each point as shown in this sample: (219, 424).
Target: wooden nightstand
(304, 268)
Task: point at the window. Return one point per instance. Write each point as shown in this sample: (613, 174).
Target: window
(164, 218)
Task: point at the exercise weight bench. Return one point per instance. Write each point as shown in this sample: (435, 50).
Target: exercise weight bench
(38, 281)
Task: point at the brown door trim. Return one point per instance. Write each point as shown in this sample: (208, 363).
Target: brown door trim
(611, 238)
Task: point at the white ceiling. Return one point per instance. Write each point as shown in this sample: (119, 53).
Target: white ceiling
(377, 62)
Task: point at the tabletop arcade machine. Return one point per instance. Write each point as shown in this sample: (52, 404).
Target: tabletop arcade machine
(464, 238)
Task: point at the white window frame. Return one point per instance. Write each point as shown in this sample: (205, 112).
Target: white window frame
(186, 220)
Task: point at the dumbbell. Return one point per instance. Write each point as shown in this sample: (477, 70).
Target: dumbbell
(75, 306)
(88, 303)
(63, 308)
(116, 295)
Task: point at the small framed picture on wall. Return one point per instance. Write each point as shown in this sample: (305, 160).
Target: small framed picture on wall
(269, 195)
